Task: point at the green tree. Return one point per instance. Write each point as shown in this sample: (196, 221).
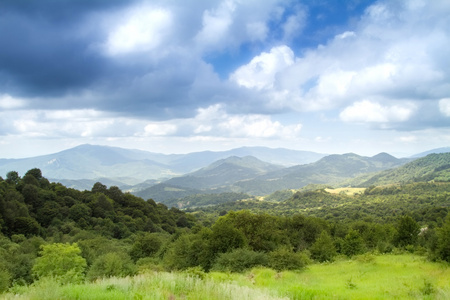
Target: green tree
(36, 173)
(12, 177)
(145, 245)
(60, 261)
(443, 240)
(407, 232)
(323, 248)
(225, 237)
(353, 243)
(99, 188)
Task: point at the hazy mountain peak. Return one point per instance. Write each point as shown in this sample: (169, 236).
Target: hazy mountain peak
(384, 157)
(437, 151)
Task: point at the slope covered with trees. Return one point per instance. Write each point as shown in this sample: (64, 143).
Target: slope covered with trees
(50, 231)
(434, 167)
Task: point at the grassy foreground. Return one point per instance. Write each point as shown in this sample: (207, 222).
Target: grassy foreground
(366, 277)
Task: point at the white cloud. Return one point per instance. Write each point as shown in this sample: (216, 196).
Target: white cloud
(345, 35)
(408, 138)
(372, 112)
(294, 24)
(444, 106)
(160, 129)
(214, 120)
(8, 102)
(396, 51)
(257, 31)
(216, 24)
(261, 71)
(141, 29)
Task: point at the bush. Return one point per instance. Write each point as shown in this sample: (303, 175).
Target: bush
(240, 260)
(352, 244)
(111, 265)
(323, 248)
(5, 280)
(149, 264)
(60, 261)
(285, 259)
(145, 245)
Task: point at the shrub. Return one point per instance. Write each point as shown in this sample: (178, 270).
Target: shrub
(407, 232)
(352, 244)
(111, 265)
(145, 245)
(285, 259)
(61, 261)
(5, 280)
(323, 248)
(240, 260)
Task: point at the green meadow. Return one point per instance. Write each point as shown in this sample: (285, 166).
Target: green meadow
(401, 276)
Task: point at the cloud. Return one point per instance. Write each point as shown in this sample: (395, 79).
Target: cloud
(261, 71)
(7, 102)
(444, 106)
(372, 112)
(395, 53)
(221, 68)
(160, 129)
(216, 24)
(294, 24)
(142, 29)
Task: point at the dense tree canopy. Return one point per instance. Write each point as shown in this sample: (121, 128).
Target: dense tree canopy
(47, 229)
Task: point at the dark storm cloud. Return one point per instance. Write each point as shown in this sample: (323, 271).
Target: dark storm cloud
(45, 49)
(55, 53)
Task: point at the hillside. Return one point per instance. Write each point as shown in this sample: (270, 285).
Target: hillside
(431, 167)
(127, 167)
(331, 169)
(224, 172)
(94, 162)
(213, 179)
(432, 151)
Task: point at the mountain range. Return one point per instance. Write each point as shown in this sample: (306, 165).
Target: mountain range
(125, 167)
(252, 176)
(251, 170)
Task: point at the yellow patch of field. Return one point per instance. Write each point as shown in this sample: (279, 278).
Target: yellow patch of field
(346, 190)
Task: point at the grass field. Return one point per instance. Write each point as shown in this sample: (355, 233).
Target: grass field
(403, 276)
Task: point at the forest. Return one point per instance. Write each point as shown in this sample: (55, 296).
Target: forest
(49, 231)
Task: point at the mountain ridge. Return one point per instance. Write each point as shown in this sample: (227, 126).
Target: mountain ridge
(93, 162)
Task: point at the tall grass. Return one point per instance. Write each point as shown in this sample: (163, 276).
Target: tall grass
(145, 286)
(367, 277)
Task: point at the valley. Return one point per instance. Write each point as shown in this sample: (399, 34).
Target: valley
(236, 226)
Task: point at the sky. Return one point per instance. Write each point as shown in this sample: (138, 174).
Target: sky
(172, 76)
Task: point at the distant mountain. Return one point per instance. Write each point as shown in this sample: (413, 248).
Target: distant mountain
(94, 162)
(431, 167)
(328, 170)
(224, 172)
(78, 167)
(436, 151)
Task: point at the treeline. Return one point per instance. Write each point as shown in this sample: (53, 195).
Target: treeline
(31, 205)
(48, 230)
(427, 202)
(34, 212)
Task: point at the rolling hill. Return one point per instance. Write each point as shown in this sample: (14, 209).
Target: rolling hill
(251, 176)
(431, 167)
(215, 178)
(84, 164)
(331, 169)
(224, 172)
